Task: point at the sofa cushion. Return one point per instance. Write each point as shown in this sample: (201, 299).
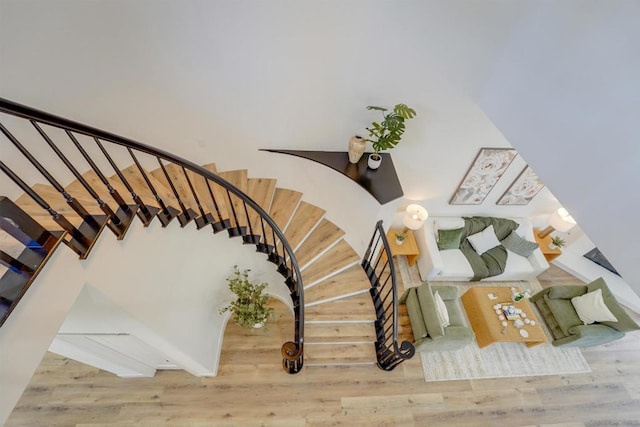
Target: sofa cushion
(415, 314)
(625, 323)
(449, 239)
(591, 308)
(446, 292)
(567, 292)
(564, 313)
(441, 310)
(520, 246)
(456, 316)
(484, 240)
(517, 264)
(429, 315)
(456, 264)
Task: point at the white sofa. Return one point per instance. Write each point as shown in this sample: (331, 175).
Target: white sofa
(452, 265)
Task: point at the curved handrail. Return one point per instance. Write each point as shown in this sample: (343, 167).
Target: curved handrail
(292, 351)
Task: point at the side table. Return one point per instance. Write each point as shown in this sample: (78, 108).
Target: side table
(409, 247)
(549, 254)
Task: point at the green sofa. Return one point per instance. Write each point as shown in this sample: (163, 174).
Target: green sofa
(428, 333)
(554, 304)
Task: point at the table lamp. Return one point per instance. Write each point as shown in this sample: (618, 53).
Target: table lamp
(560, 220)
(413, 218)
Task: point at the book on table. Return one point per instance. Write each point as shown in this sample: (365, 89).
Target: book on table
(510, 311)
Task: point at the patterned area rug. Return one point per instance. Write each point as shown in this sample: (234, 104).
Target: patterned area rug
(498, 360)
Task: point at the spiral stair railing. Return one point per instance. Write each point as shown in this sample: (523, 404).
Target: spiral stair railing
(229, 208)
(378, 265)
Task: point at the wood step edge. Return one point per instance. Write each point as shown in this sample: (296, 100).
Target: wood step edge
(339, 297)
(315, 258)
(346, 267)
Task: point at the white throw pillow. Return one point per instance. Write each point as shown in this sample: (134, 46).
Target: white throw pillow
(484, 240)
(441, 310)
(591, 308)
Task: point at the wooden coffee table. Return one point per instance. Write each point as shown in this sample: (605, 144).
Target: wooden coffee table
(485, 322)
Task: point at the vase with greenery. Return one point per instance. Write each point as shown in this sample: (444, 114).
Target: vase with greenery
(250, 308)
(400, 237)
(387, 133)
(557, 242)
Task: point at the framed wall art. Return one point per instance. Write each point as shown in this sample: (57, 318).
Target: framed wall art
(523, 189)
(482, 176)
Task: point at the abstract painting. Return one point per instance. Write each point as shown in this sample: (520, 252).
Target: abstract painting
(523, 189)
(484, 173)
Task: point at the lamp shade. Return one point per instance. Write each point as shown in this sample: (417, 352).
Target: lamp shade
(561, 221)
(414, 217)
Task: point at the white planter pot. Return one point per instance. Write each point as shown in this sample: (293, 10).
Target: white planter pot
(258, 325)
(373, 163)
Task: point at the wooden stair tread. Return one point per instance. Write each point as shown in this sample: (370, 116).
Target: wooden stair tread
(335, 259)
(219, 194)
(322, 237)
(304, 220)
(283, 205)
(261, 190)
(354, 308)
(137, 182)
(347, 282)
(340, 332)
(339, 354)
(239, 179)
(180, 184)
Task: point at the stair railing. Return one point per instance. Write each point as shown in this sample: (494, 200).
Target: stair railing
(378, 265)
(243, 218)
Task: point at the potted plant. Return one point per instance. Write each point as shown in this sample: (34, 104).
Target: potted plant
(400, 237)
(250, 308)
(556, 242)
(387, 134)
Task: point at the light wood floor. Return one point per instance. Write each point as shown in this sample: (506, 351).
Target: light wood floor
(252, 389)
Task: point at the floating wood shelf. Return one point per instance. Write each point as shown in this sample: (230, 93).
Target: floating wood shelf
(383, 183)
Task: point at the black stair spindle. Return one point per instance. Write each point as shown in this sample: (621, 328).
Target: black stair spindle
(71, 201)
(205, 218)
(120, 220)
(166, 213)
(103, 206)
(187, 214)
(81, 239)
(145, 213)
(222, 224)
(237, 230)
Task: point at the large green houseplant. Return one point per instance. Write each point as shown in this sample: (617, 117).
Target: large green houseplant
(387, 133)
(250, 308)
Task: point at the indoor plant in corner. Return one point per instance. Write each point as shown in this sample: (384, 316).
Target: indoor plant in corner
(387, 134)
(250, 308)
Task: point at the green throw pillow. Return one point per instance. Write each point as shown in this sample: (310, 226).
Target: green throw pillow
(449, 239)
(517, 244)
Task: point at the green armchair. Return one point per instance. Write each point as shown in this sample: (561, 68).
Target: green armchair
(428, 332)
(558, 312)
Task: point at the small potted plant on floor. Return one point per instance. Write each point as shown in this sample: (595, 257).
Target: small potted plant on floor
(250, 308)
(387, 134)
(556, 242)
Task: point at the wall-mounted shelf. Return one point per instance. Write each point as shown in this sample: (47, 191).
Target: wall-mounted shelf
(383, 183)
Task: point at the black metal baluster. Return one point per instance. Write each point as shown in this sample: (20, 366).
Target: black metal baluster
(205, 218)
(81, 238)
(92, 221)
(187, 214)
(222, 224)
(145, 213)
(237, 230)
(103, 206)
(119, 221)
(167, 213)
(250, 238)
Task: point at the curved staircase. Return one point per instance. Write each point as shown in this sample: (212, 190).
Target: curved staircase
(339, 315)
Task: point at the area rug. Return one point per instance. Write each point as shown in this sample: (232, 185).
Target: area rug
(500, 360)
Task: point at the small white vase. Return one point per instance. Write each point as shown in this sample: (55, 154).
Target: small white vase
(258, 325)
(399, 242)
(356, 148)
(374, 163)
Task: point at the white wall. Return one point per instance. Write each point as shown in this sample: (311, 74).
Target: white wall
(216, 81)
(565, 93)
